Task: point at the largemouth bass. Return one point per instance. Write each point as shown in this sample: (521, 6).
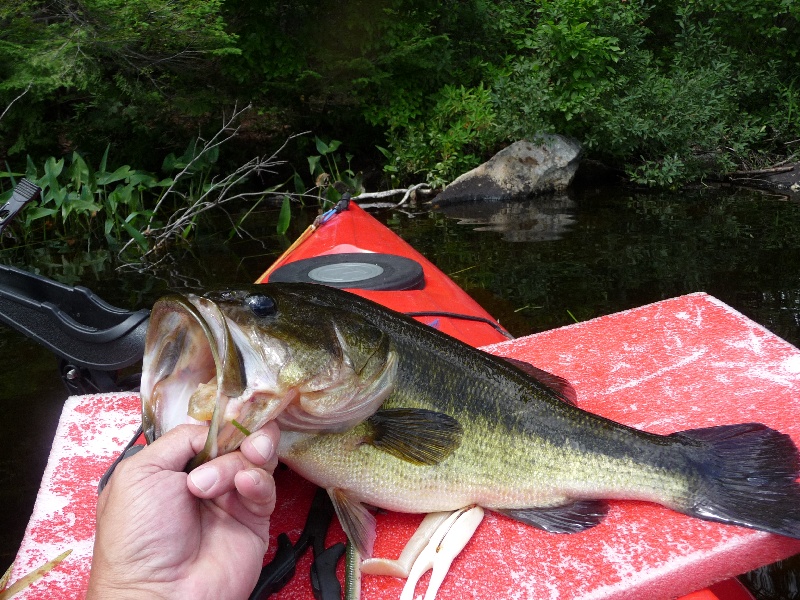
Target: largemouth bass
(383, 411)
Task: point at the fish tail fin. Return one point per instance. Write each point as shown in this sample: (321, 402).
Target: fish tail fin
(747, 476)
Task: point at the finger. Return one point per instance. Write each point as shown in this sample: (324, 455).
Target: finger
(257, 490)
(259, 447)
(174, 449)
(254, 503)
(216, 477)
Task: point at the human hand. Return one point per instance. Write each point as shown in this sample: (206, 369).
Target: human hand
(164, 534)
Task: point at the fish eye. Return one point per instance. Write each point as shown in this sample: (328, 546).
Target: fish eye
(261, 305)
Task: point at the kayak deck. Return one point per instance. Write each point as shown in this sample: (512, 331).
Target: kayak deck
(356, 232)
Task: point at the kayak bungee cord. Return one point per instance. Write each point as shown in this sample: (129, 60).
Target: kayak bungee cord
(453, 315)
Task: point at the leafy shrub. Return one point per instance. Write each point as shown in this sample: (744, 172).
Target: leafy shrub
(439, 85)
(80, 202)
(451, 138)
(669, 105)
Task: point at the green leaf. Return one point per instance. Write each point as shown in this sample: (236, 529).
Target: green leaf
(104, 160)
(49, 182)
(141, 178)
(78, 171)
(105, 178)
(322, 147)
(212, 155)
(284, 217)
(31, 171)
(313, 164)
(34, 214)
(299, 186)
(135, 234)
(169, 163)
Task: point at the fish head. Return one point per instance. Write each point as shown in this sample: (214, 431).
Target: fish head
(237, 359)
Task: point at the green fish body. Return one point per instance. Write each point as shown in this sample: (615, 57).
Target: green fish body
(381, 410)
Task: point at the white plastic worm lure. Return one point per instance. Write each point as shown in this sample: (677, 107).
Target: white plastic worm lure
(447, 542)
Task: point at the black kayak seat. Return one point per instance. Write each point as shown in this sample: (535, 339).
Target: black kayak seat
(72, 322)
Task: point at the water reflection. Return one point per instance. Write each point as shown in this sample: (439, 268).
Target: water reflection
(542, 219)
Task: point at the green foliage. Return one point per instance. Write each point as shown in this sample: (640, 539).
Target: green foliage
(96, 67)
(671, 104)
(453, 138)
(79, 202)
(330, 178)
(82, 204)
(436, 86)
(284, 217)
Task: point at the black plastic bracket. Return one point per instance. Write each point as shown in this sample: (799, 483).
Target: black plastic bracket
(23, 193)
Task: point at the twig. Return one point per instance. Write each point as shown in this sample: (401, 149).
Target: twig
(218, 193)
(423, 188)
(214, 142)
(14, 100)
(787, 160)
(770, 171)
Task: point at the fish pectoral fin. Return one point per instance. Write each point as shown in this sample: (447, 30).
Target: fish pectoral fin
(419, 436)
(559, 385)
(357, 522)
(567, 518)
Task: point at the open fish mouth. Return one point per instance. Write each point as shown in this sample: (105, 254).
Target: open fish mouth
(191, 368)
(194, 372)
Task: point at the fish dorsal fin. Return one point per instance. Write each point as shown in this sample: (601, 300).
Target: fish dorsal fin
(357, 522)
(559, 385)
(567, 518)
(419, 436)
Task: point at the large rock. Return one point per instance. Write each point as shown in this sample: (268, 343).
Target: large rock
(520, 170)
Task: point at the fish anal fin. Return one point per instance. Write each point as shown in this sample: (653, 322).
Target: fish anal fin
(567, 518)
(419, 436)
(559, 385)
(358, 523)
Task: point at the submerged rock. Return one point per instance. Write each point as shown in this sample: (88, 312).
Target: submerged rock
(522, 169)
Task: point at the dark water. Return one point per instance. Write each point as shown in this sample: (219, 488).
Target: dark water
(534, 265)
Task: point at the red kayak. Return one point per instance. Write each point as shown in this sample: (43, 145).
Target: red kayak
(644, 367)
(349, 249)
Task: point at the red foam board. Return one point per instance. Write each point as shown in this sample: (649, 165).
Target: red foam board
(681, 363)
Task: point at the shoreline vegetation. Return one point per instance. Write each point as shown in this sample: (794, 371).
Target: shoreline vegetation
(392, 93)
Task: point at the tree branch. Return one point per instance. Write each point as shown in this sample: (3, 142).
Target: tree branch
(14, 100)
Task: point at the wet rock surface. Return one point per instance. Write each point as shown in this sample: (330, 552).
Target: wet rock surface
(523, 169)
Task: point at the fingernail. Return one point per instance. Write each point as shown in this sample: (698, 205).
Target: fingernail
(263, 445)
(254, 475)
(205, 478)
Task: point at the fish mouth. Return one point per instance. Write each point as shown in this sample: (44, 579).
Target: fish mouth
(191, 366)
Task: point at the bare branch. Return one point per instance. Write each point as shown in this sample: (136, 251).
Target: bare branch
(225, 133)
(15, 99)
(218, 193)
(422, 188)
